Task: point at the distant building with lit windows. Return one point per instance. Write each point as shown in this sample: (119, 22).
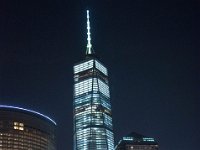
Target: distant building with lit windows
(135, 141)
(23, 129)
(93, 129)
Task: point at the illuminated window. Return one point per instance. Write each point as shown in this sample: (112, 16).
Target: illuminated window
(18, 126)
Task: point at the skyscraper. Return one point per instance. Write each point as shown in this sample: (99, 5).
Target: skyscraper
(135, 141)
(93, 129)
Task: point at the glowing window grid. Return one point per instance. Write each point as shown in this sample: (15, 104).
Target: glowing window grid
(86, 86)
(88, 65)
(101, 68)
(83, 66)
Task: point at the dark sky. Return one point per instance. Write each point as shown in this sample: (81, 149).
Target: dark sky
(150, 48)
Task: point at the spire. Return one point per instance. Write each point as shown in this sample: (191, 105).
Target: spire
(89, 45)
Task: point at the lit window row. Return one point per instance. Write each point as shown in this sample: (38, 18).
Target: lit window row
(82, 100)
(148, 139)
(83, 87)
(108, 121)
(101, 68)
(83, 66)
(100, 139)
(110, 139)
(103, 88)
(105, 103)
(86, 86)
(128, 138)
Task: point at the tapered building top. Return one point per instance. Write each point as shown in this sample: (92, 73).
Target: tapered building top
(89, 50)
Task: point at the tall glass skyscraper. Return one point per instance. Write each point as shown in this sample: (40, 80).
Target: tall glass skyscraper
(93, 129)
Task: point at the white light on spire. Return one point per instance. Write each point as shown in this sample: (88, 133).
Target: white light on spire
(89, 45)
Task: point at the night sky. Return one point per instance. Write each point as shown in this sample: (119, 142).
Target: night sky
(150, 48)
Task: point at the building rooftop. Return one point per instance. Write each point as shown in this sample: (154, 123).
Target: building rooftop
(137, 139)
(23, 110)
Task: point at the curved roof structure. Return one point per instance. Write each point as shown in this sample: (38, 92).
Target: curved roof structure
(27, 111)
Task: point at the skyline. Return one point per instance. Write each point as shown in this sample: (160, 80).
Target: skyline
(148, 47)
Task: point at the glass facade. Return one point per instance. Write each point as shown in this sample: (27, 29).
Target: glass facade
(21, 129)
(93, 128)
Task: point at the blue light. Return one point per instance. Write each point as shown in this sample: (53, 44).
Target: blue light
(28, 110)
(148, 139)
(128, 138)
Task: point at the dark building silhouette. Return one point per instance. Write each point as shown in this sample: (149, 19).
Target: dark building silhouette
(135, 141)
(23, 129)
(93, 129)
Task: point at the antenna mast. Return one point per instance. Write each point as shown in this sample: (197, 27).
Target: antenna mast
(89, 45)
